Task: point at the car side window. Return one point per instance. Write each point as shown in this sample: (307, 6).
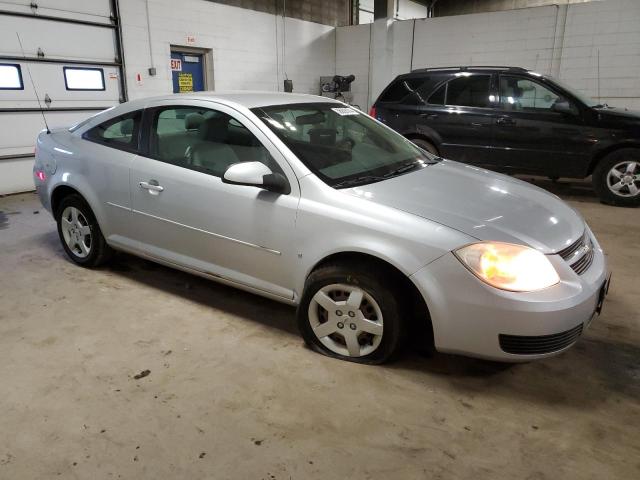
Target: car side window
(119, 132)
(204, 140)
(438, 97)
(469, 91)
(399, 89)
(518, 93)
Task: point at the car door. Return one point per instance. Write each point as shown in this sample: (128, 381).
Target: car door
(187, 216)
(530, 135)
(464, 121)
(108, 150)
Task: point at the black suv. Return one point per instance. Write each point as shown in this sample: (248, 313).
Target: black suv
(517, 121)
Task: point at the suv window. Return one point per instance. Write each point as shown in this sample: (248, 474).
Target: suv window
(469, 91)
(401, 88)
(204, 140)
(438, 97)
(119, 132)
(517, 93)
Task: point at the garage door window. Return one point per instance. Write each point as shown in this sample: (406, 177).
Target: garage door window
(120, 132)
(83, 78)
(10, 77)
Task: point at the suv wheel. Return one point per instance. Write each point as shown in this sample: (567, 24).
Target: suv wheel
(80, 233)
(616, 178)
(347, 313)
(425, 145)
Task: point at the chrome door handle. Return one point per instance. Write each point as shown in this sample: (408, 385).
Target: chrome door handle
(151, 187)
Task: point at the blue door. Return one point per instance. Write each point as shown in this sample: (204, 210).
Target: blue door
(187, 71)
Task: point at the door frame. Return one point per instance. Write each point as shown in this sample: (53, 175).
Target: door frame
(207, 62)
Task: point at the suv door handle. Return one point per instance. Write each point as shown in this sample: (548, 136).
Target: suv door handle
(429, 116)
(505, 120)
(152, 186)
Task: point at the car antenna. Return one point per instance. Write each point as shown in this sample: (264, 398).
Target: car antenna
(44, 118)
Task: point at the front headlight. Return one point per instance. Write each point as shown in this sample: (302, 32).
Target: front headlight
(509, 267)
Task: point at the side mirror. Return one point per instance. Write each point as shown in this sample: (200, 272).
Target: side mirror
(256, 174)
(563, 106)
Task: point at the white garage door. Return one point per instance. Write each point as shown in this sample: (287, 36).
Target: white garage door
(70, 57)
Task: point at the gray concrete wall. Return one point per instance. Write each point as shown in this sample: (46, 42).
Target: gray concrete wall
(328, 12)
(248, 49)
(463, 7)
(566, 41)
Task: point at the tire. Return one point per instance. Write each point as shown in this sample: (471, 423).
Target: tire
(80, 233)
(616, 178)
(425, 145)
(377, 324)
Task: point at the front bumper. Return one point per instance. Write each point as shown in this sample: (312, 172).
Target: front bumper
(469, 316)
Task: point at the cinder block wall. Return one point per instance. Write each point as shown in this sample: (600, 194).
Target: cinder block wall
(564, 41)
(246, 46)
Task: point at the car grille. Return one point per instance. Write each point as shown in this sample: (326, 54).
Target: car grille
(521, 345)
(579, 254)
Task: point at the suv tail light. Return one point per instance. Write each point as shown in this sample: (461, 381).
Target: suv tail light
(372, 112)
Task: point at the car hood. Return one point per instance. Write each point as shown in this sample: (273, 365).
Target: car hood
(484, 205)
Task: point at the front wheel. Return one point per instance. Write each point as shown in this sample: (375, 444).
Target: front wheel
(349, 314)
(425, 145)
(616, 179)
(80, 233)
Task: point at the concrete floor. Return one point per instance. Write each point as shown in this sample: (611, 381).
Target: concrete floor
(233, 393)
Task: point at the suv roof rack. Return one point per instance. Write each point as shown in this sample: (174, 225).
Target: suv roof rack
(473, 67)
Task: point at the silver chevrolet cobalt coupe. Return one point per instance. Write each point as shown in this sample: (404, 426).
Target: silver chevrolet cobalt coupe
(310, 202)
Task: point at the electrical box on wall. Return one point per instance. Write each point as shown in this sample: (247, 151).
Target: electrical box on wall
(288, 86)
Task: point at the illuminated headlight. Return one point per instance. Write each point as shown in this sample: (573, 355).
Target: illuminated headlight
(509, 267)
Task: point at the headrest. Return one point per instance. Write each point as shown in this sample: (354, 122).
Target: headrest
(214, 129)
(193, 121)
(126, 127)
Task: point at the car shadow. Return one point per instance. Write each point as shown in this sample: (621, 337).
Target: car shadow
(585, 374)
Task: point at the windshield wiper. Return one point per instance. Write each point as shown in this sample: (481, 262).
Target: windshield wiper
(352, 182)
(601, 105)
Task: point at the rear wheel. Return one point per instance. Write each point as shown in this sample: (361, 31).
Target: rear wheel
(80, 233)
(425, 145)
(347, 313)
(616, 178)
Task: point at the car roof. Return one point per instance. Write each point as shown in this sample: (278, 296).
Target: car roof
(248, 99)
(470, 68)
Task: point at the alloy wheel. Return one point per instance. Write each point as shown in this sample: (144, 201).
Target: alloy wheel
(76, 231)
(624, 179)
(346, 320)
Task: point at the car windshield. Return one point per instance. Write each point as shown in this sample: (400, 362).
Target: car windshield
(588, 101)
(341, 145)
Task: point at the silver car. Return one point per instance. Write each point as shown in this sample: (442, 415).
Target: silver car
(310, 202)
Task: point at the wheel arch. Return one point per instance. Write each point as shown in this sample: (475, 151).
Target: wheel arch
(426, 138)
(420, 318)
(598, 156)
(59, 193)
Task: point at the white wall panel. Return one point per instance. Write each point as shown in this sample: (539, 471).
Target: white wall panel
(49, 80)
(352, 57)
(19, 130)
(88, 10)
(607, 33)
(61, 40)
(246, 46)
(57, 40)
